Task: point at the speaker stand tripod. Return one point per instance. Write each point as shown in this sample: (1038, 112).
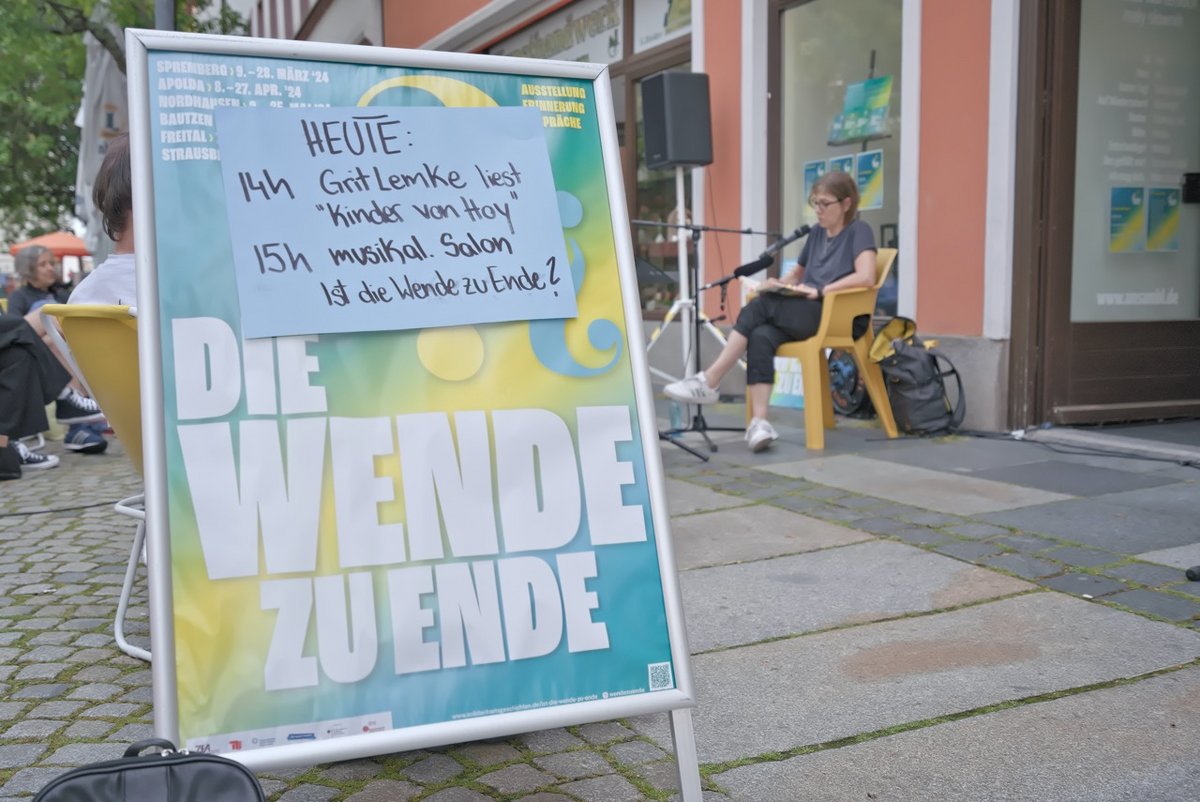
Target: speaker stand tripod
(694, 322)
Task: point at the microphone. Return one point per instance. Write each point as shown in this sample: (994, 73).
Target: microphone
(781, 243)
(764, 260)
(749, 269)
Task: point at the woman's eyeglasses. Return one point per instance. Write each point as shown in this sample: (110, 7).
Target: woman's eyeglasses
(822, 205)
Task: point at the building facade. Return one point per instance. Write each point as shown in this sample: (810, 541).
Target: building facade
(1035, 162)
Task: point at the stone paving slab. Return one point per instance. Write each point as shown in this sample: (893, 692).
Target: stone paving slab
(858, 436)
(1181, 556)
(1176, 499)
(1103, 523)
(1073, 479)
(812, 689)
(752, 533)
(685, 498)
(1163, 605)
(966, 454)
(931, 490)
(835, 587)
(1133, 742)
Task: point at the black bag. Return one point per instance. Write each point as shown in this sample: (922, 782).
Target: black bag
(165, 776)
(915, 375)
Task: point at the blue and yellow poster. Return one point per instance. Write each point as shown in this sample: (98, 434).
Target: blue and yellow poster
(788, 389)
(1162, 219)
(406, 480)
(843, 164)
(1127, 220)
(813, 170)
(869, 175)
(864, 114)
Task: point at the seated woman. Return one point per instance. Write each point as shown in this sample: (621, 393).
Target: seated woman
(838, 255)
(38, 270)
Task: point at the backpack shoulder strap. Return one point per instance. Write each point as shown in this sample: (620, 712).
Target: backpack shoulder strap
(960, 402)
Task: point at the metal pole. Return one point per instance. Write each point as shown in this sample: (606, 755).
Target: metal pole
(164, 15)
(685, 285)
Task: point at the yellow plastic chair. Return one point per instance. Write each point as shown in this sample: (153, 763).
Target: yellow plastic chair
(100, 344)
(835, 331)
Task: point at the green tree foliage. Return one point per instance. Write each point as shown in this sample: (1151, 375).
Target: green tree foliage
(41, 84)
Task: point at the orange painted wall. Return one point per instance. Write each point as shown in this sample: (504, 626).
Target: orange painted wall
(723, 206)
(952, 185)
(413, 24)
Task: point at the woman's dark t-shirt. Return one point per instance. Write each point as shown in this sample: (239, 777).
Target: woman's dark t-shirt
(826, 260)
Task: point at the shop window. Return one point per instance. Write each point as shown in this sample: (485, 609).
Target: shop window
(840, 109)
(1136, 237)
(656, 22)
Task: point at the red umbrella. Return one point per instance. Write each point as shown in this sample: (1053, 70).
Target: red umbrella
(60, 243)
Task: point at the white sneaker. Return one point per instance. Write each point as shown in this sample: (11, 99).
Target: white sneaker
(31, 460)
(692, 390)
(760, 434)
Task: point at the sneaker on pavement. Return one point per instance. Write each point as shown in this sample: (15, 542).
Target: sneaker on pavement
(692, 390)
(85, 438)
(76, 408)
(32, 460)
(760, 434)
(10, 462)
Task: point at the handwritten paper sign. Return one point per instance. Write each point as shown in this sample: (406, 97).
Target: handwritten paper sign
(356, 219)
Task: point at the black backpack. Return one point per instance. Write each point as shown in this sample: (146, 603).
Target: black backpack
(915, 374)
(165, 776)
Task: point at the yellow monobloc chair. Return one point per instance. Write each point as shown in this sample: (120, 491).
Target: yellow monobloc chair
(100, 343)
(837, 321)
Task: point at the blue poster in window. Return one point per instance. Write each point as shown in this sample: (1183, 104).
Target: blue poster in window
(1162, 219)
(1126, 220)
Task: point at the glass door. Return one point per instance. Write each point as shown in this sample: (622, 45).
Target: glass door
(1122, 312)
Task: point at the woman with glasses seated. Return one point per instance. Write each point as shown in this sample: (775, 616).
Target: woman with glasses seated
(838, 255)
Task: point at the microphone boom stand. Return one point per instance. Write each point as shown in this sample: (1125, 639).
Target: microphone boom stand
(695, 316)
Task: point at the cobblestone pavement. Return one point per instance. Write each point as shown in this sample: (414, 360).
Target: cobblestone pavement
(68, 696)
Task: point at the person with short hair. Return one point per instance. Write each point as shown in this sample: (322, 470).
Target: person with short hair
(114, 281)
(37, 270)
(839, 254)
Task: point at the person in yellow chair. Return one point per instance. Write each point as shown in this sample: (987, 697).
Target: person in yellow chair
(838, 255)
(114, 280)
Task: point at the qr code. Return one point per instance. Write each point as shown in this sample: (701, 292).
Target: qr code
(660, 676)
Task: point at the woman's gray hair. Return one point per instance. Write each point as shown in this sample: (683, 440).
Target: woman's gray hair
(25, 262)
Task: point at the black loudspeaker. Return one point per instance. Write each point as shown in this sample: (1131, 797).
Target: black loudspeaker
(678, 125)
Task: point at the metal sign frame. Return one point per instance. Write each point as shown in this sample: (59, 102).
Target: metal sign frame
(139, 44)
